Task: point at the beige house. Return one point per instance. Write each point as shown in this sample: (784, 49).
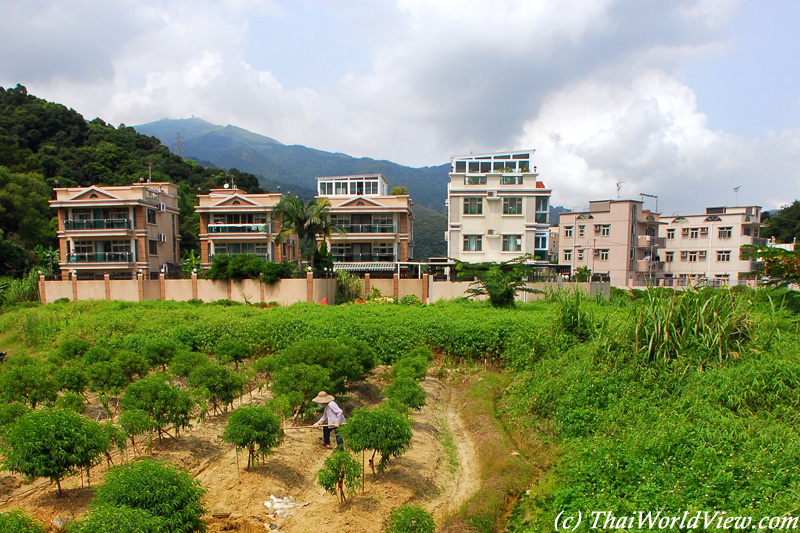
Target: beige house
(497, 208)
(707, 248)
(378, 225)
(617, 240)
(235, 222)
(121, 231)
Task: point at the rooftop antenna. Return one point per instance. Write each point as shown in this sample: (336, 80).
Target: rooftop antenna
(619, 186)
(643, 194)
(736, 190)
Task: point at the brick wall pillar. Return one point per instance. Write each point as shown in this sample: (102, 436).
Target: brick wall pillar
(425, 288)
(310, 287)
(162, 282)
(194, 285)
(107, 286)
(396, 285)
(42, 294)
(367, 284)
(74, 287)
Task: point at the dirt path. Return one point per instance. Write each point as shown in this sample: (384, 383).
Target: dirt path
(423, 475)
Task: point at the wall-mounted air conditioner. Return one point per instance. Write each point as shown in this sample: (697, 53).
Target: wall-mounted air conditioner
(162, 206)
(162, 237)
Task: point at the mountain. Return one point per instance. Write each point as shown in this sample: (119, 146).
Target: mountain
(290, 167)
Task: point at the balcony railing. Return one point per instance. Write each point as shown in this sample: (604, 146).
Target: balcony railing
(364, 258)
(760, 241)
(98, 223)
(239, 228)
(369, 228)
(101, 257)
(265, 257)
(646, 241)
(542, 218)
(643, 265)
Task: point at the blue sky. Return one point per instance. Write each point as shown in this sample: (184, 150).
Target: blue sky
(685, 99)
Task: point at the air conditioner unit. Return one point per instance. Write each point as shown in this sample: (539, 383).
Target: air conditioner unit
(596, 251)
(162, 237)
(491, 194)
(490, 232)
(162, 206)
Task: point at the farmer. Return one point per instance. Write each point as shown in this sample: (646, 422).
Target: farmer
(332, 417)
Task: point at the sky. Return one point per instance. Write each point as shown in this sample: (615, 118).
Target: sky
(681, 99)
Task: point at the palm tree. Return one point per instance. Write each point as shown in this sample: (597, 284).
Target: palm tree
(307, 221)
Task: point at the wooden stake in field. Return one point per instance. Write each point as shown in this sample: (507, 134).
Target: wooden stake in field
(237, 466)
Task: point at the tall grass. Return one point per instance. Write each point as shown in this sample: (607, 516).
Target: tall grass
(698, 324)
(14, 291)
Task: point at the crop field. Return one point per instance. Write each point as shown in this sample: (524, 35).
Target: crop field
(653, 401)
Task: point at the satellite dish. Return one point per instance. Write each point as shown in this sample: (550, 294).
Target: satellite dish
(227, 185)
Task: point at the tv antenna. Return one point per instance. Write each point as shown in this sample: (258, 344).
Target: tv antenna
(619, 186)
(736, 190)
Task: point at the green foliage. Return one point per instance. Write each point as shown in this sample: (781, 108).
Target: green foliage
(784, 225)
(71, 377)
(71, 348)
(349, 287)
(414, 367)
(410, 519)
(380, 429)
(53, 443)
(233, 350)
(274, 272)
(184, 362)
(782, 267)
(157, 488)
(16, 521)
(407, 391)
(117, 519)
(499, 281)
(27, 383)
(9, 413)
(341, 474)
(582, 274)
(72, 401)
(163, 402)
(575, 315)
(254, 428)
(220, 385)
(409, 299)
(107, 376)
(301, 382)
(135, 421)
(159, 352)
(96, 354)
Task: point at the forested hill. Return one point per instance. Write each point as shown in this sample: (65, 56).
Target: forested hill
(45, 145)
(294, 166)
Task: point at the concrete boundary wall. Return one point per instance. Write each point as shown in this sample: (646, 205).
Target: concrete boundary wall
(284, 292)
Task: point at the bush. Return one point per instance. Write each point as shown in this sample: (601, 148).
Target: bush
(410, 299)
(233, 350)
(300, 382)
(159, 352)
(184, 362)
(380, 429)
(341, 474)
(117, 519)
(157, 488)
(72, 401)
(254, 428)
(348, 287)
(410, 519)
(9, 413)
(161, 400)
(407, 391)
(71, 377)
(107, 376)
(415, 367)
(274, 272)
(72, 348)
(53, 443)
(17, 521)
(220, 384)
(29, 383)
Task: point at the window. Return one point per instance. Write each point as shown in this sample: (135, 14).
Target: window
(724, 256)
(371, 187)
(701, 255)
(747, 232)
(669, 257)
(151, 216)
(694, 233)
(512, 243)
(692, 257)
(581, 230)
(341, 187)
(152, 247)
(512, 205)
(726, 232)
(510, 180)
(472, 243)
(684, 232)
(567, 255)
(357, 187)
(474, 180)
(542, 204)
(670, 234)
(82, 247)
(540, 241)
(580, 255)
(603, 255)
(567, 231)
(605, 230)
(325, 188)
(473, 206)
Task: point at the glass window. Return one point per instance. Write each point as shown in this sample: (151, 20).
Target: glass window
(542, 204)
(325, 188)
(747, 232)
(669, 257)
(512, 205)
(510, 180)
(151, 216)
(341, 187)
(82, 247)
(540, 241)
(581, 230)
(512, 243)
(473, 206)
(152, 247)
(603, 255)
(567, 255)
(694, 233)
(567, 231)
(670, 234)
(473, 243)
(605, 230)
(474, 180)
(692, 257)
(461, 166)
(580, 255)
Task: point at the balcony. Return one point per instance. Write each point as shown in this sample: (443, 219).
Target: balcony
(265, 257)
(646, 266)
(240, 228)
(760, 241)
(364, 258)
(542, 218)
(647, 241)
(98, 223)
(369, 228)
(101, 257)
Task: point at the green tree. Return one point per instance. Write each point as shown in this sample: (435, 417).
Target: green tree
(53, 443)
(233, 350)
(301, 382)
(220, 384)
(410, 519)
(27, 382)
(407, 391)
(71, 377)
(783, 225)
(414, 367)
(159, 352)
(307, 221)
(583, 274)
(341, 474)
(380, 429)
(157, 488)
(255, 428)
(499, 281)
(782, 267)
(163, 402)
(9, 413)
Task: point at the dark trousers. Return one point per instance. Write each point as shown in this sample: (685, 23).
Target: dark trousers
(326, 436)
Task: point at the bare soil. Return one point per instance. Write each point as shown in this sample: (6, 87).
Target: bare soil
(236, 496)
